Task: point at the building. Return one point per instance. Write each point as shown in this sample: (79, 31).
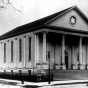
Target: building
(64, 35)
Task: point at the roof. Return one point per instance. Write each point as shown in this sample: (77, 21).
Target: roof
(39, 23)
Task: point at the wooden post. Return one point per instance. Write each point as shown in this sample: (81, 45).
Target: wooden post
(49, 66)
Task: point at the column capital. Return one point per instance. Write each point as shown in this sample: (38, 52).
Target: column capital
(44, 31)
(7, 40)
(24, 36)
(64, 34)
(15, 38)
(81, 36)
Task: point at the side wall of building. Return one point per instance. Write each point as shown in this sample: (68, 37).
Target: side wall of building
(10, 53)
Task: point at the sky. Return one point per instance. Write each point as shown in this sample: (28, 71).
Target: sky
(31, 10)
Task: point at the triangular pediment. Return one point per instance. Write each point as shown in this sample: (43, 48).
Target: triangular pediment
(73, 19)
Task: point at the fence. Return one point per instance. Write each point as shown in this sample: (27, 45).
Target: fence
(27, 77)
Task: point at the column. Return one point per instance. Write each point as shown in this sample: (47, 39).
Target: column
(24, 52)
(63, 53)
(80, 53)
(37, 48)
(8, 51)
(0, 57)
(87, 55)
(44, 47)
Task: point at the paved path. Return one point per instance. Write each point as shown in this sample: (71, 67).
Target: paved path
(54, 86)
(67, 86)
(4, 83)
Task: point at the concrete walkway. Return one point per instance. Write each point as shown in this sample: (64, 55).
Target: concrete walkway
(40, 84)
(68, 82)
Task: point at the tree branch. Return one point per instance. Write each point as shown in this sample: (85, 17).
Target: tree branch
(8, 3)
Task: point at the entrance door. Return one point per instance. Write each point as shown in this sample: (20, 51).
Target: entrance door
(50, 48)
(66, 59)
(50, 45)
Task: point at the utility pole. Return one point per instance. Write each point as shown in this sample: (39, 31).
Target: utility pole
(49, 67)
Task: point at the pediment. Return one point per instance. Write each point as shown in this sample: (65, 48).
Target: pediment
(70, 19)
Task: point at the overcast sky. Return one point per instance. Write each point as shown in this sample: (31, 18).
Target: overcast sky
(34, 9)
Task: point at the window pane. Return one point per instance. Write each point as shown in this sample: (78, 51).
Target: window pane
(4, 52)
(29, 48)
(11, 51)
(20, 50)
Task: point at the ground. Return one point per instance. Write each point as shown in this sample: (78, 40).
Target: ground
(55, 86)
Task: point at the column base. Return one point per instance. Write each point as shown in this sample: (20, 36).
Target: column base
(86, 66)
(80, 66)
(74, 66)
(57, 66)
(63, 66)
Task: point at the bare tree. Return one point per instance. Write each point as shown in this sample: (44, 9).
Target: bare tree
(5, 3)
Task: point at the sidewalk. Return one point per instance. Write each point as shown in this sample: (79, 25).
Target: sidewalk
(68, 82)
(40, 84)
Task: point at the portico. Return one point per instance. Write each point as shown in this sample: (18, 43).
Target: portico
(65, 37)
(67, 51)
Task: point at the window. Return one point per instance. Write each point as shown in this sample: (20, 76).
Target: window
(20, 50)
(4, 52)
(29, 51)
(47, 55)
(11, 51)
(82, 56)
(78, 57)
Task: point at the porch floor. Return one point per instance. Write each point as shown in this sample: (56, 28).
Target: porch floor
(61, 75)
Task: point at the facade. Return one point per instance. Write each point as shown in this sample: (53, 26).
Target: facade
(64, 35)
